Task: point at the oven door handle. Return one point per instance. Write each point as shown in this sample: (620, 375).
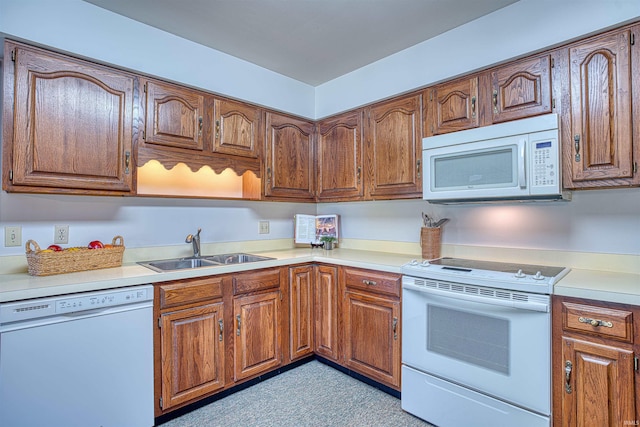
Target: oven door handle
(503, 302)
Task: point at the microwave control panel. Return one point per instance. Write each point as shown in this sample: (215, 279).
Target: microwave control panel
(545, 168)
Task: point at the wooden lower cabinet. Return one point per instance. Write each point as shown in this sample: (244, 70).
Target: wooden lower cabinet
(594, 377)
(192, 353)
(257, 346)
(218, 331)
(371, 317)
(326, 312)
(189, 341)
(301, 289)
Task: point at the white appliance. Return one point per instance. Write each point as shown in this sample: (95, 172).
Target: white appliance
(78, 360)
(476, 342)
(517, 160)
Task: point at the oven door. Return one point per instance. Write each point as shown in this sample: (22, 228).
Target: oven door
(480, 338)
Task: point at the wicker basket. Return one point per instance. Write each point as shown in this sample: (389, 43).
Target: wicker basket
(430, 242)
(47, 263)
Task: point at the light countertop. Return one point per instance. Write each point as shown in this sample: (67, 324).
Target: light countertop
(600, 286)
(21, 286)
(581, 283)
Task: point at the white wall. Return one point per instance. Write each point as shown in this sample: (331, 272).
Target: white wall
(142, 221)
(520, 28)
(600, 221)
(595, 221)
(87, 30)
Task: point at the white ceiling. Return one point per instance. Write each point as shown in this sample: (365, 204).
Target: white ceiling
(312, 41)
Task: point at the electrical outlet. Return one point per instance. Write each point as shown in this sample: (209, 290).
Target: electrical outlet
(264, 227)
(61, 234)
(13, 236)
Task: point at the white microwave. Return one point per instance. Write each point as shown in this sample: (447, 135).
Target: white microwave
(518, 160)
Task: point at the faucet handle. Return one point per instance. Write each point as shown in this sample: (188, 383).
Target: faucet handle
(198, 233)
(189, 238)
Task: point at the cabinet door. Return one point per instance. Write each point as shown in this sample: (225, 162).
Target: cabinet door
(174, 116)
(372, 337)
(326, 312)
(521, 89)
(601, 147)
(72, 124)
(393, 150)
(454, 106)
(300, 311)
(340, 157)
(192, 346)
(599, 385)
(257, 335)
(236, 128)
(289, 158)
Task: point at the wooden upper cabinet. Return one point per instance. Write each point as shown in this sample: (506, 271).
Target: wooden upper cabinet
(600, 149)
(340, 157)
(68, 124)
(289, 158)
(236, 128)
(514, 91)
(521, 89)
(453, 106)
(393, 149)
(174, 116)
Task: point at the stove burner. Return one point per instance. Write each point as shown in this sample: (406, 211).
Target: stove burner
(504, 267)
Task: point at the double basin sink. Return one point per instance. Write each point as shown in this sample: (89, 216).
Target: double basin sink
(204, 261)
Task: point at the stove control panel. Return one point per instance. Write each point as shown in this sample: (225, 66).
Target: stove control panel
(528, 278)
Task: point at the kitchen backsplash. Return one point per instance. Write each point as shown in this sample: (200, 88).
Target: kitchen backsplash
(598, 221)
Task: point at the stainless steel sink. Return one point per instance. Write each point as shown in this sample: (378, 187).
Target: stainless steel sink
(178, 264)
(205, 261)
(236, 258)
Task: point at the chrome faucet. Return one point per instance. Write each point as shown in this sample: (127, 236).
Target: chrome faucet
(195, 240)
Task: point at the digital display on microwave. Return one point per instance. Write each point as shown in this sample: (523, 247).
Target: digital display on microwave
(540, 145)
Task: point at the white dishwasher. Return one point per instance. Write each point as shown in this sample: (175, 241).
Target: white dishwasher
(82, 360)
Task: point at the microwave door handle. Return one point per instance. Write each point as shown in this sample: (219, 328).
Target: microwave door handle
(522, 176)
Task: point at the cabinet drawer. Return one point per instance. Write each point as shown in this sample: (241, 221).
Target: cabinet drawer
(373, 281)
(602, 321)
(256, 281)
(189, 291)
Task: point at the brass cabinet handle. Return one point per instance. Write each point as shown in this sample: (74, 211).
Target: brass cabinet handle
(418, 167)
(473, 106)
(268, 175)
(358, 173)
(568, 367)
(217, 129)
(127, 161)
(495, 101)
(200, 125)
(576, 143)
(395, 328)
(595, 322)
(369, 282)
(239, 322)
(221, 327)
